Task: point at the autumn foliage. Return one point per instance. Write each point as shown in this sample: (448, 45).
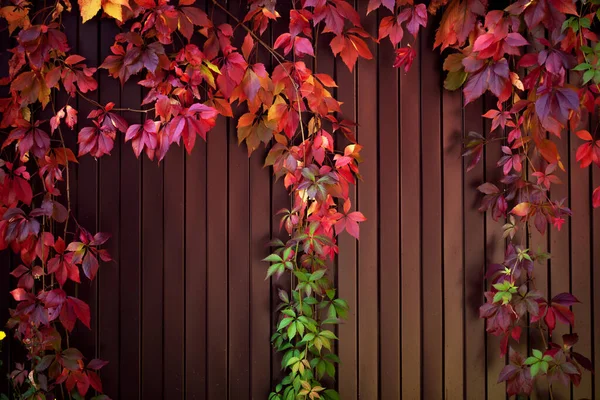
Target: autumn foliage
(194, 71)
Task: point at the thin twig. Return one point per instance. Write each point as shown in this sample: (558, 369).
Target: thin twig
(67, 171)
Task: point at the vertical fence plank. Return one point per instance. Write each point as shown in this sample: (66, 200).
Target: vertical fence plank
(87, 192)
(347, 262)
(196, 273)
(453, 248)
(130, 262)
(494, 254)
(239, 273)
(595, 282)
(260, 293)
(389, 242)
(152, 278)
(474, 248)
(367, 202)
(431, 157)
(560, 263)
(410, 228)
(239, 257)
(580, 261)
(217, 220)
(174, 273)
(109, 200)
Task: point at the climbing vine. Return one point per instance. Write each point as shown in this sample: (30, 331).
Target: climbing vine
(194, 71)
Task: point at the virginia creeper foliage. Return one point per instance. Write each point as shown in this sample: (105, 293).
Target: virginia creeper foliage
(194, 71)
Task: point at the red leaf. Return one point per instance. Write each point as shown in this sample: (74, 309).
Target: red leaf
(596, 197)
(81, 309)
(404, 56)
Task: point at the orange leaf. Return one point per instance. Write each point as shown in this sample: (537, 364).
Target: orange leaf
(521, 209)
(584, 135)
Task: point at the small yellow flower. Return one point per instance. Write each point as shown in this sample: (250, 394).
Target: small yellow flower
(2, 335)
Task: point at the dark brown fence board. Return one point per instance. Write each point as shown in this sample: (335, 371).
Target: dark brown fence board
(410, 227)
(494, 253)
(367, 201)
(217, 264)
(580, 199)
(260, 291)
(432, 268)
(239, 273)
(389, 244)
(174, 273)
(474, 248)
(595, 283)
(130, 256)
(453, 248)
(109, 198)
(347, 258)
(152, 334)
(560, 263)
(196, 273)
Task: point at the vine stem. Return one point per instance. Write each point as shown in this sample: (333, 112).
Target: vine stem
(94, 102)
(275, 54)
(68, 179)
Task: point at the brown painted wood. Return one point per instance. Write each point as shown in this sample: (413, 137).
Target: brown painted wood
(195, 273)
(217, 273)
(560, 263)
(152, 335)
(347, 258)
(580, 261)
(174, 273)
(410, 227)
(474, 248)
(87, 194)
(130, 261)
(367, 202)
(432, 250)
(109, 201)
(453, 247)
(389, 115)
(494, 253)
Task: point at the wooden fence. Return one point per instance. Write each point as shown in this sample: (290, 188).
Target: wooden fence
(185, 311)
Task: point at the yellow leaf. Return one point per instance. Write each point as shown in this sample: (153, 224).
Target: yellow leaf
(89, 8)
(114, 8)
(2, 335)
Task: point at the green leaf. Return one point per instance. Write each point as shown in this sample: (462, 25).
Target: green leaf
(537, 354)
(273, 258)
(328, 335)
(535, 368)
(284, 322)
(588, 75)
(300, 328)
(454, 80)
(292, 360)
(289, 312)
(291, 331)
(531, 360)
(315, 276)
(286, 253)
(331, 394)
(585, 23)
